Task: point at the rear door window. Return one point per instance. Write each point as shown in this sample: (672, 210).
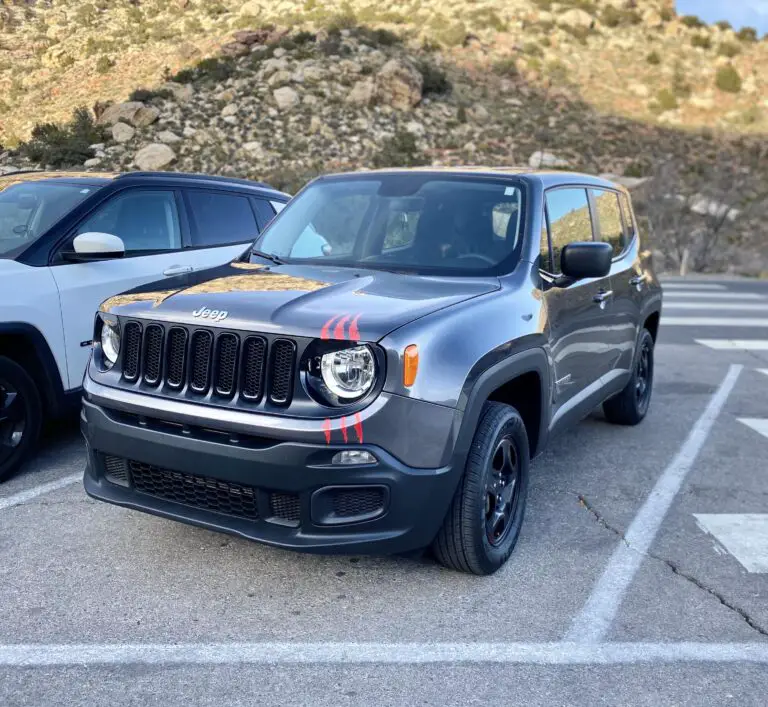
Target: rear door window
(610, 226)
(629, 221)
(218, 219)
(569, 220)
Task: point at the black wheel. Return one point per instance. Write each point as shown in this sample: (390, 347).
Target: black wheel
(20, 416)
(486, 514)
(630, 406)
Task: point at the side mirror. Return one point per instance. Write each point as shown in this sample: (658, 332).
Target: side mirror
(96, 246)
(584, 260)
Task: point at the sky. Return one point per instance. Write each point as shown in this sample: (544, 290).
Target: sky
(740, 13)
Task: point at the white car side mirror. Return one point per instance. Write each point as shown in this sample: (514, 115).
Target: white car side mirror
(98, 246)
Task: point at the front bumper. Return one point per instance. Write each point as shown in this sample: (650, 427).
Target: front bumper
(280, 492)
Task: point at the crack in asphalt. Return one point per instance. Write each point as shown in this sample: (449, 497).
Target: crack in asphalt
(675, 568)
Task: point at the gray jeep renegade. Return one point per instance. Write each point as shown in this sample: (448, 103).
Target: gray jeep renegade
(375, 374)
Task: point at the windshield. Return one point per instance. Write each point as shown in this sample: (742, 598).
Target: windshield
(408, 221)
(29, 209)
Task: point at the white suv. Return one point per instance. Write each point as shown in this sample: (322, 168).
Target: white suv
(68, 241)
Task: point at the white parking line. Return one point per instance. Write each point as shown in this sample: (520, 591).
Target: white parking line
(594, 620)
(675, 294)
(42, 655)
(717, 306)
(691, 286)
(730, 344)
(744, 535)
(757, 424)
(29, 494)
(715, 321)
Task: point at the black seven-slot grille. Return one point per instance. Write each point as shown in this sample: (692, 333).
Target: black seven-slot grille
(225, 364)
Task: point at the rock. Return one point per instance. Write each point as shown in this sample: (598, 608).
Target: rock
(286, 98)
(399, 84)
(227, 95)
(203, 137)
(362, 93)
(313, 74)
(703, 206)
(235, 49)
(251, 8)
(279, 52)
(315, 124)
(479, 113)
(415, 128)
(269, 66)
(146, 115)
(702, 101)
(251, 36)
(122, 132)
(280, 78)
(576, 18)
(96, 146)
(120, 112)
(254, 149)
(188, 131)
(93, 162)
(168, 137)
(640, 90)
(154, 157)
(182, 92)
(229, 109)
(8, 169)
(546, 159)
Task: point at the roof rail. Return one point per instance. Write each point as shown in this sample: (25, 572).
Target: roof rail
(197, 176)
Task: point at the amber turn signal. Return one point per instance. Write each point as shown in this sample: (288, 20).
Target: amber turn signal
(410, 365)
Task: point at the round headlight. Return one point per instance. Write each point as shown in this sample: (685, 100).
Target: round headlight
(110, 342)
(349, 373)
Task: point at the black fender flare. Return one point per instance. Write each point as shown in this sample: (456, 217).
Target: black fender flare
(479, 388)
(51, 386)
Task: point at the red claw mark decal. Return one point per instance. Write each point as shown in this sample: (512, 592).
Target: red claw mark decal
(358, 427)
(325, 332)
(329, 331)
(338, 332)
(354, 332)
(327, 430)
(344, 429)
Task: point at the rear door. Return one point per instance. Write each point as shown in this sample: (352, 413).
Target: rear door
(150, 223)
(611, 227)
(579, 313)
(222, 225)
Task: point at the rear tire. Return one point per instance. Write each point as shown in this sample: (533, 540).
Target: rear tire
(630, 406)
(20, 416)
(484, 520)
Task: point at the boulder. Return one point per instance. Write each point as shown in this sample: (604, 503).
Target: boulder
(182, 92)
(229, 109)
(122, 132)
(362, 93)
(251, 36)
(541, 159)
(168, 137)
(286, 98)
(144, 116)
(235, 49)
(399, 84)
(120, 112)
(576, 18)
(154, 157)
(93, 162)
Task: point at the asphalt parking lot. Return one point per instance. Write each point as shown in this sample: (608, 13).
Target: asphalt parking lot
(641, 576)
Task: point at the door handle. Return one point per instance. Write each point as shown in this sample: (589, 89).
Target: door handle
(177, 270)
(602, 297)
(637, 282)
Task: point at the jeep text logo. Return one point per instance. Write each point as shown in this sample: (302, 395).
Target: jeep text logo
(215, 315)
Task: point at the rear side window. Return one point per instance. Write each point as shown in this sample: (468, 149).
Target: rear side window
(569, 220)
(610, 226)
(220, 219)
(629, 221)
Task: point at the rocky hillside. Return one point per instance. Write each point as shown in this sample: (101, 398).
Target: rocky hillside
(348, 87)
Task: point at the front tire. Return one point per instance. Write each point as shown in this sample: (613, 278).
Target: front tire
(630, 406)
(483, 523)
(20, 416)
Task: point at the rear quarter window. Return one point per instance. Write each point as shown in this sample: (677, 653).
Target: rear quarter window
(220, 219)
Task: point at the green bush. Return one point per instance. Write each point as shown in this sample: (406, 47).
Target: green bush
(104, 64)
(377, 37)
(505, 67)
(692, 21)
(435, 80)
(399, 151)
(667, 14)
(653, 58)
(727, 79)
(701, 41)
(216, 70)
(578, 32)
(666, 100)
(614, 17)
(723, 25)
(729, 49)
(747, 34)
(63, 145)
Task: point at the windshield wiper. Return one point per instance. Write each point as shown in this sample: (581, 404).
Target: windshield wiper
(276, 259)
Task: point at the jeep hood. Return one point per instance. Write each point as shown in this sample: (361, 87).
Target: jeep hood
(298, 300)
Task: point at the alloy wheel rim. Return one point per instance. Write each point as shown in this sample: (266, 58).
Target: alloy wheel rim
(502, 492)
(12, 420)
(643, 375)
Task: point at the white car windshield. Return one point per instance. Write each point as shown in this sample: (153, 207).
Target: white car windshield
(29, 209)
(404, 221)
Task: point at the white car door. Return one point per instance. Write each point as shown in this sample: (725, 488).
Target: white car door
(149, 223)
